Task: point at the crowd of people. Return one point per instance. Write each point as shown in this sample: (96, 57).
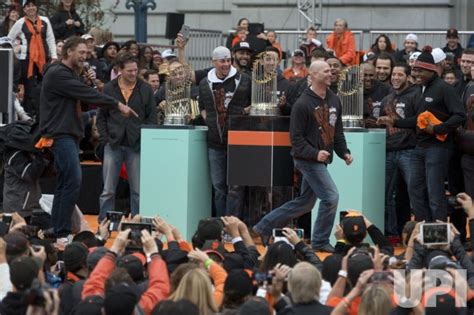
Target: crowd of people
(79, 94)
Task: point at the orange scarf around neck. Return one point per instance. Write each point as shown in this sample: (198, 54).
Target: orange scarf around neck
(36, 48)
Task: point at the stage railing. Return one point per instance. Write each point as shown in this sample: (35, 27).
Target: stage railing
(200, 46)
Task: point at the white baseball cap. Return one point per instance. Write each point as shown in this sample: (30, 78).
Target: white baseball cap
(438, 55)
(412, 36)
(414, 55)
(168, 53)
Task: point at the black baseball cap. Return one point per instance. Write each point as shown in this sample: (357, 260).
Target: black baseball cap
(452, 32)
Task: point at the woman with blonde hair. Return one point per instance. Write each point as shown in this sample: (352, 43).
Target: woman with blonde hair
(375, 301)
(196, 287)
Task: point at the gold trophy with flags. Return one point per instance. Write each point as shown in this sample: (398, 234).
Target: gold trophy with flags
(351, 93)
(177, 104)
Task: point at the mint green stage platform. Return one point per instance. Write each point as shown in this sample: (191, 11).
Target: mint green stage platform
(361, 185)
(174, 176)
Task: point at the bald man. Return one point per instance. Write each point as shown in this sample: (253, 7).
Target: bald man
(374, 92)
(315, 132)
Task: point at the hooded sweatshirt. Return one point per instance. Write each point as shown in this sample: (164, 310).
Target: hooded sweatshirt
(401, 105)
(315, 125)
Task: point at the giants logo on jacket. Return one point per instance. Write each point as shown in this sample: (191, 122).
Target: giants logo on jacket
(326, 118)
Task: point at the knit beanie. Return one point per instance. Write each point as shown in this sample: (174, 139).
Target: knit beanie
(425, 60)
(75, 256)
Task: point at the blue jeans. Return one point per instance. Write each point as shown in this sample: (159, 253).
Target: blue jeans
(227, 200)
(113, 160)
(316, 183)
(429, 170)
(397, 163)
(68, 184)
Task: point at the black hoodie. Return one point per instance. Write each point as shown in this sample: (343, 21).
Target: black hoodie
(400, 105)
(13, 304)
(441, 100)
(309, 134)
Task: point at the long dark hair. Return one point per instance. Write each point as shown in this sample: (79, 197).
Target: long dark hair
(388, 49)
(6, 21)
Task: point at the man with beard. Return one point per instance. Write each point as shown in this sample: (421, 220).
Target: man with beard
(336, 69)
(440, 113)
(410, 45)
(374, 92)
(224, 92)
(242, 54)
(61, 128)
(315, 131)
(401, 103)
(383, 67)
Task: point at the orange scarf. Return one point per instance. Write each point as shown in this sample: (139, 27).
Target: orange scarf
(36, 48)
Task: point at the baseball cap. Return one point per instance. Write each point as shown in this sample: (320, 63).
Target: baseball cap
(95, 254)
(242, 46)
(221, 52)
(412, 36)
(438, 55)
(414, 55)
(17, 243)
(354, 228)
(297, 52)
(23, 270)
(133, 265)
(87, 36)
(168, 53)
(452, 32)
(75, 256)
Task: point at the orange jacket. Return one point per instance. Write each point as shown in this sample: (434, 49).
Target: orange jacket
(343, 46)
(218, 276)
(158, 287)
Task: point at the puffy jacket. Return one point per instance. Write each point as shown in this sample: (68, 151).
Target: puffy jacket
(343, 46)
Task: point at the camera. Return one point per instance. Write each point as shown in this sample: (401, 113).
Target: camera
(453, 202)
(435, 233)
(279, 233)
(135, 236)
(262, 277)
(114, 217)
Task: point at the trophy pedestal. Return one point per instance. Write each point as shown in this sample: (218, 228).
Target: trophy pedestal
(174, 176)
(361, 185)
(259, 151)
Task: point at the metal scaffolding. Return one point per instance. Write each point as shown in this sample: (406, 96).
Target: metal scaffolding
(307, 14)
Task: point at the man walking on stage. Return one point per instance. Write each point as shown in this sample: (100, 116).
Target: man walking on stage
(315, 131)
(62, 127)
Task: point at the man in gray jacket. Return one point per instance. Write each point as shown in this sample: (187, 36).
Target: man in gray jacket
(122, 136)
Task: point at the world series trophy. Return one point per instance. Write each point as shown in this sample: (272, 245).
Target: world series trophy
(351, 93)
(177, 105)
(264, 85)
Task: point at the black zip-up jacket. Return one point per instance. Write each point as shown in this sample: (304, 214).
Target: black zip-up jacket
(401, 105)
(307, 133)
(236, 91)
(113, 127)
(61, 29)
(61, 90)
(442, 101)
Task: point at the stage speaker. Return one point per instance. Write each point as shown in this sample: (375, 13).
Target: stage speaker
(6, 79)
(174, 21)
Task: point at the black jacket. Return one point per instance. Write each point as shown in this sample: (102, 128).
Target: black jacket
(402, 56)
(61, 89)
(235, 91)
(118, 130)
(400, 106)
(61, 29)
(307, 134)
(456, 51)
(442, 101)
(285, 88)
(373, 99)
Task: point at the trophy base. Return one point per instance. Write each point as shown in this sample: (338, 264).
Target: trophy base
(173, 121)
(352, 123)
(264, 110)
